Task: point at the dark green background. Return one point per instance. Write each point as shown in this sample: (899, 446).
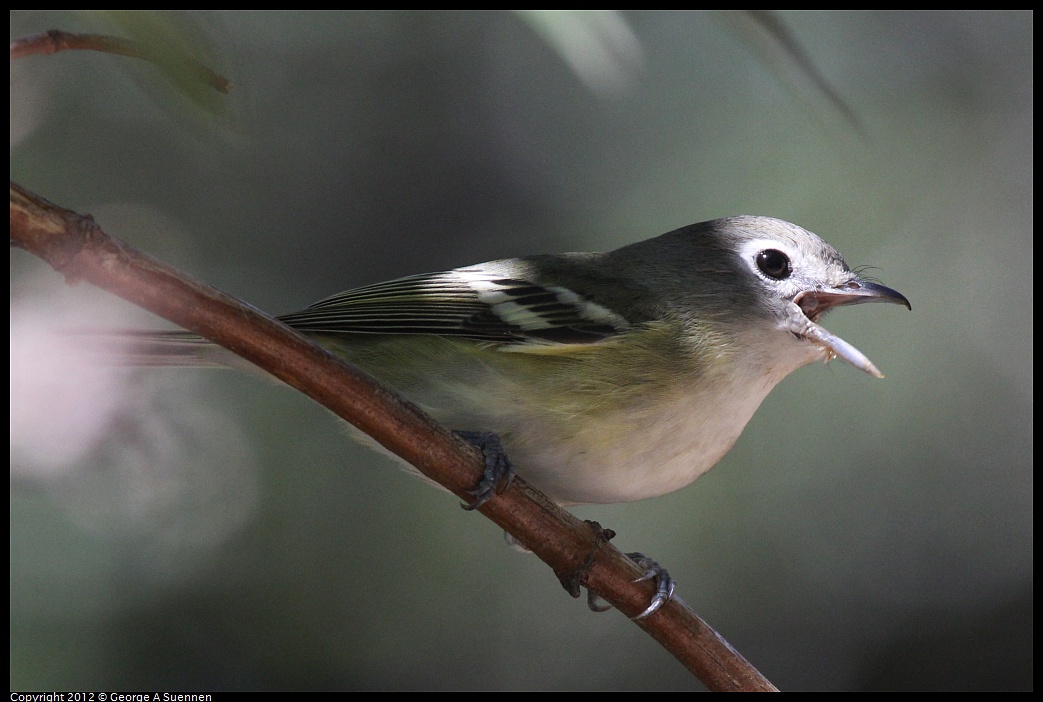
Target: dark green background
(222, 532)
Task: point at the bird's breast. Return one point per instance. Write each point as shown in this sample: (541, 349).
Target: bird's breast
(638, 451)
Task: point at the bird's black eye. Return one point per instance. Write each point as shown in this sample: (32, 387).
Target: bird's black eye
(774, 264)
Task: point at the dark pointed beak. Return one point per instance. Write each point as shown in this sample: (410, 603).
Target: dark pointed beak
(815, 303)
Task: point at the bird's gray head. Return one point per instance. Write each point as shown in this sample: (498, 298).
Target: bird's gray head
(763, 276)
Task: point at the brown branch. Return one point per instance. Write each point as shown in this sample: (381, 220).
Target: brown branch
(77, 247)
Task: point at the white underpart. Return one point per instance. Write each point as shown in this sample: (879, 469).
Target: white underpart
(644, 452)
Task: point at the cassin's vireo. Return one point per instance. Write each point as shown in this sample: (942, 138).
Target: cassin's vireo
(609, 377)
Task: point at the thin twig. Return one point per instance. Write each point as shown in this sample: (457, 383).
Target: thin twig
(55, 40)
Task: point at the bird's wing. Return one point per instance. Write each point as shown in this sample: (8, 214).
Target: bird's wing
(484, 304)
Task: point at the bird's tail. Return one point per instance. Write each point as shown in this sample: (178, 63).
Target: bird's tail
(132, 347)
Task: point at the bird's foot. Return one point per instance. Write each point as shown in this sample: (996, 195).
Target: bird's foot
(498, 468)
(653, 571)
(664, 583)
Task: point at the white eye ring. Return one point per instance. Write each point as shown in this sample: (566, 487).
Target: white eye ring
(754, 251)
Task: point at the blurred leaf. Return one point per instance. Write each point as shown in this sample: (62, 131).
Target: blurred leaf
(598, 45)
(765, 33)
(177, 46)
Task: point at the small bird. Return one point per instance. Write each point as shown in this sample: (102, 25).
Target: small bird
(608, 377)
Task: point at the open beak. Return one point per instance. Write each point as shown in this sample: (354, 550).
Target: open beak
(808, 306)
(815, 303)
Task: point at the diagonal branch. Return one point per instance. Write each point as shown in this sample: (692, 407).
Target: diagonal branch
(75, 246)
(78, 248)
